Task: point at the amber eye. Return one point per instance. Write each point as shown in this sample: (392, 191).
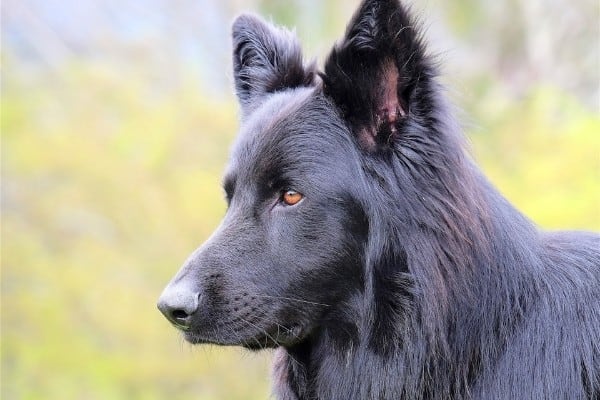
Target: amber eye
(291, 197)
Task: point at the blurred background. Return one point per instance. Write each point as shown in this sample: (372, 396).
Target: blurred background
(115, 126)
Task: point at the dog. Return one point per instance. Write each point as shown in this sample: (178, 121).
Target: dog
(364, 245)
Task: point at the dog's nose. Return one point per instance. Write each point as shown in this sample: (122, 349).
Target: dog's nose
(178, 305)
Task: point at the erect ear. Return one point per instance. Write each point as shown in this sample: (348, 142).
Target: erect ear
(373, 72)
(266, 59)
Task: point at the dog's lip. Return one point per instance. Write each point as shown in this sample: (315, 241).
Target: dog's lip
(184, 328)
(267, 338)
(194, 337)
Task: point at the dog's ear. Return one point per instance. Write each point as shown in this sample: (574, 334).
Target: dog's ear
(373, 73)
(266, 59)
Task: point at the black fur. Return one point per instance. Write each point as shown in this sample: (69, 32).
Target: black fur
(402, 273)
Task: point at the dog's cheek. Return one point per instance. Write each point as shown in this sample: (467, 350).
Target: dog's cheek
(324, 256)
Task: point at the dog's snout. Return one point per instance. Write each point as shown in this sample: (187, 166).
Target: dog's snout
(178, 305)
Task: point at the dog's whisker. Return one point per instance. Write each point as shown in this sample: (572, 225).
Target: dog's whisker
(293, 299)
(254, 339)
(262, 330)
(284, 329)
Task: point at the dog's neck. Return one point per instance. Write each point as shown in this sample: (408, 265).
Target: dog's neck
(341, 359)
(300, 372)
(322, 368)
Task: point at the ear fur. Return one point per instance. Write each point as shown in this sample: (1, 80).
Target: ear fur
(372, 73)
(266, 59)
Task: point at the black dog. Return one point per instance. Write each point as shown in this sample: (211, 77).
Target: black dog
(362, 242)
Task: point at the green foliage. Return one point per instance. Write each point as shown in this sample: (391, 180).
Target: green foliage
(544, 155)
(108, 187)
(105, 191)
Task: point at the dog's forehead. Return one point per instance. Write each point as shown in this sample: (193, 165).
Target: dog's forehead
(268, 129)
(277, 108)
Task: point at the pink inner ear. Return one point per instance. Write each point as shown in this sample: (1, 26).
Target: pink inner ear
(390, 109)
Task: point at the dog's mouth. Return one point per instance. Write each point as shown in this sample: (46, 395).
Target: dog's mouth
(252, 339)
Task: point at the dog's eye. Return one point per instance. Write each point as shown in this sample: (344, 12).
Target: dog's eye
(291, 197)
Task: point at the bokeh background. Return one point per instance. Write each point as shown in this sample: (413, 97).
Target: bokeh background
(116, 121)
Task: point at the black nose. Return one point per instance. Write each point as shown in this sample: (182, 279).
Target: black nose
(178, 305)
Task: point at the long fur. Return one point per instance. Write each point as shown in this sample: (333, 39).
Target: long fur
(407, 274)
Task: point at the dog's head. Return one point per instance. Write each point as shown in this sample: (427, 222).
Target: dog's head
(291, 247)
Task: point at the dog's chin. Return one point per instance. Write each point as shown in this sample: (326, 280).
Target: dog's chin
(267, 339)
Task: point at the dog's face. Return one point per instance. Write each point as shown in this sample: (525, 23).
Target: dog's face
(284, 252)
(290, 247)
